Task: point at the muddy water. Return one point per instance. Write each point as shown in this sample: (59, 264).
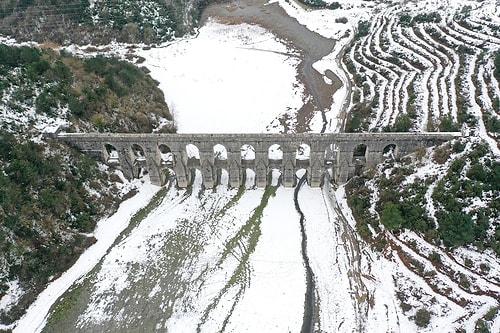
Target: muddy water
(310, 45)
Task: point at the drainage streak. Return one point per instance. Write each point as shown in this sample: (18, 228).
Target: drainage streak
(308, 323)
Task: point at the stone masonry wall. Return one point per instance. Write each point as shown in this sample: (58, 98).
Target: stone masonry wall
(328, 151)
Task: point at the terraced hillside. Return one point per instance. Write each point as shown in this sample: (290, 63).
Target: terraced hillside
(420, 67)
(426, 69)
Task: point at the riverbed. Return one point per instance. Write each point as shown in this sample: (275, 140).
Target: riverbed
(310, 46)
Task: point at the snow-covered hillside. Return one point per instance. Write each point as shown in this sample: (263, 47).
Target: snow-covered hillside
(232, 260)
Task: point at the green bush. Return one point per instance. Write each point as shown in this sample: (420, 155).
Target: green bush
(448, 125)
(497, 65)
(481, 327)
(402, 123)
(422, 318)
(363, 28)
(433, 17)
(455, 228)
(477, 172)
(406, 19)
(321, 4)
(391, 217)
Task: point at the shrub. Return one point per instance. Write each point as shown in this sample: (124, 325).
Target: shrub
(433, 17)
(435, 258)
(402, 123)
(391, 217)
(363, 28)
(455, 228)
(481, 327)
(477, 172)
(448, 125)
(441, 154)
(458, 147)
(405, 19)
(492, 312)
(422, 317)
(497, 65)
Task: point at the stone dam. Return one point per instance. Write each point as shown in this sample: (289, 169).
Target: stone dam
(342, 155)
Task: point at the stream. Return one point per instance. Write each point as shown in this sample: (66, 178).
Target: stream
(309, 302)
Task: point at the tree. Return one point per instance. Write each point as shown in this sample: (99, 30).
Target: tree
(455, 228)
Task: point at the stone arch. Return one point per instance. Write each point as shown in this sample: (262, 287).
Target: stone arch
(359, 153)
(248, 163)
(303, 156)
(331, 156)
(138, 158)
(275, 156)
(111, 155)
(221, 164)
(359, 158)
(193, 163)
(138, 155)
(167, 158)
(247, 155)
(220, 155)
(390, 151)
(193, 155)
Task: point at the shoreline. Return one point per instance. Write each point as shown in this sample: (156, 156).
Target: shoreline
(311, 46)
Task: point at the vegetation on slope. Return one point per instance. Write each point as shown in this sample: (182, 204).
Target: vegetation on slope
(465, 198)
(320, 4)
(77, 21)
(457, 91)
(98, 93)
(51, 196)
(46, 207)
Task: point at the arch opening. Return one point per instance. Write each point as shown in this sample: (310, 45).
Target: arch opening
(139, 159)
(247, 155)
(220, 152)
(389, 151)
(247, 164)
(193, 156)
(138, 154)
(302, 156)
(331, 155)
(166, 155)
(221, 165)
(359, 154)
(275, 156)
(112, 157)
(359, 158)
(275, 159)
(220, 155)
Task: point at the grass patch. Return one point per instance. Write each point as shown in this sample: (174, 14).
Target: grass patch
(246, 241)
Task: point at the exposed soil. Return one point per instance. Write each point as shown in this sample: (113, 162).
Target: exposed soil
(310, 45)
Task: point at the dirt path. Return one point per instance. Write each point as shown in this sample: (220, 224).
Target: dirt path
(310, 45)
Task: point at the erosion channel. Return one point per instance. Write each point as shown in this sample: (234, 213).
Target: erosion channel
(309, 303)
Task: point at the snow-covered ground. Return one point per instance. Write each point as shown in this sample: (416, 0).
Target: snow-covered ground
(206, 262)
(105, 233)
(229, 79)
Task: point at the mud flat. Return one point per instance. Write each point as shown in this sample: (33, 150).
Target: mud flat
(310, 46)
